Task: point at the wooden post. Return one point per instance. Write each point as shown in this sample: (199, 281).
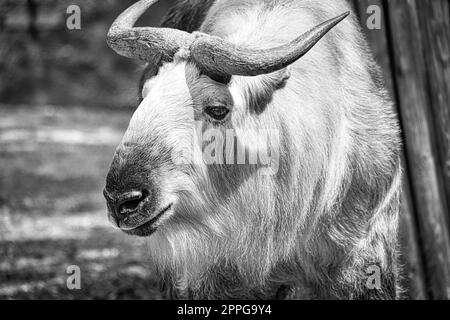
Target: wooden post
(435, 24)
(411, 88)
(413, 281)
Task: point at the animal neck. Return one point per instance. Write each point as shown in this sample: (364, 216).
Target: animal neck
(224, 282)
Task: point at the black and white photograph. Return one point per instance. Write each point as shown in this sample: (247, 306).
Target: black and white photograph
(225, 150)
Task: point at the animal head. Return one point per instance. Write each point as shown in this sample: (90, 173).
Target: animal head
(204, 157)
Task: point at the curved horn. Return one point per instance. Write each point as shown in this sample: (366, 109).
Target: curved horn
(221, 57)
(144, 43)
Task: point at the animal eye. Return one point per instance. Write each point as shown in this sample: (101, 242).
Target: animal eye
(217, 113)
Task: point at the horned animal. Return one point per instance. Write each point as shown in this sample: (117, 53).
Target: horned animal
(291, 81)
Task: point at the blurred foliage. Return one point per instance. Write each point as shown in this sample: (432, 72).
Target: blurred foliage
(42, 62)
(56, 144)
(53, 164)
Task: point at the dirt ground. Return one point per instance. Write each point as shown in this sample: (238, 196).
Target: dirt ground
(53, 163)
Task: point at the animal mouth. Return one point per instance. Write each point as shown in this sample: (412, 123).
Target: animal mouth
(141, 225)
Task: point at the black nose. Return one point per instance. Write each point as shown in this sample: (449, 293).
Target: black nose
(126, 203)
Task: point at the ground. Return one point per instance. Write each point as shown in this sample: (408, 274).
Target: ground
(53, 163)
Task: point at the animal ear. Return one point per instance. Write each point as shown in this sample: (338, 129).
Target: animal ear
(259, 90)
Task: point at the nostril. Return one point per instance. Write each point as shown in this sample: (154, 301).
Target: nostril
(129, 202)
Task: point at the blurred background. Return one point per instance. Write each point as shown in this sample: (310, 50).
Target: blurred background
(66, 99)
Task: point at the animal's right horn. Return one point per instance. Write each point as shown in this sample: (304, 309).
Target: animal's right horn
(144, 43)
(219, 56)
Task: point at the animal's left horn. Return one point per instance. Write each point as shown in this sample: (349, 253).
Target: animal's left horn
(144, 43)
(221, 57)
